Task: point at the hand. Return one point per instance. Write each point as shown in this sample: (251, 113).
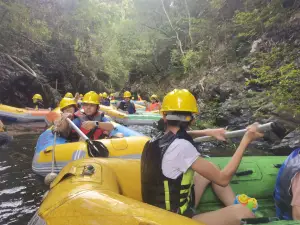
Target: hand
(219, 134)
(253, 133)
(77, 96)
(67, 115)
(55, 129)
(88, 125)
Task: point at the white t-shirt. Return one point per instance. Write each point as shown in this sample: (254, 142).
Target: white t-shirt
(179, 157)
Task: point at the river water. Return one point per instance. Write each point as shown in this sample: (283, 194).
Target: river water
(21, 190)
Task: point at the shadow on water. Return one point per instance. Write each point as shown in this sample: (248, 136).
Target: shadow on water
(21, 190)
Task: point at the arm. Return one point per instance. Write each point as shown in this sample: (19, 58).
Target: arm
(118, 105)
(295, 189)
(217, 133)
(223, 177)
(296, 212)
(107, 126)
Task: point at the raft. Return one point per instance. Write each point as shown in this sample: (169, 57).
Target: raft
(13, 114)
(130, 146)
(139, 118)
(108, 191)
(145, 118)
(141, 103)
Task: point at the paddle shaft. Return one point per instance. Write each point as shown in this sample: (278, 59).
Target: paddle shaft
(236, 133)
(81, 134)
(53, 152)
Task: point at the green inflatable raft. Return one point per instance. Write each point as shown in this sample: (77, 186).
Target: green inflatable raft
(256, 178)
(146, 118)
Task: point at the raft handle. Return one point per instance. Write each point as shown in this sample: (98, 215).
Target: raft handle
(277, 165)
(244, 173)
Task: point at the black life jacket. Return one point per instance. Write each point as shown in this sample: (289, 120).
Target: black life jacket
(175, 195)
(127, 106)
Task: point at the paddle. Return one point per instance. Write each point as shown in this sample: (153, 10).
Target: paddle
(239, 133)
(52, 116)
(51, 176)
(94, 151)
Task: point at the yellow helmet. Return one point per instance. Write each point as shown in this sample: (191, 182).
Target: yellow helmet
(104, 95)
(154, 97)
(112, 95)
(91, 98)
(65, 102)
(81, 95)
(127, 94)
(179, 100)
(100, 95)
(37, 97)
(68, 95)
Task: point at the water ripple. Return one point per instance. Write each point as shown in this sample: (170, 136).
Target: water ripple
(12, 190)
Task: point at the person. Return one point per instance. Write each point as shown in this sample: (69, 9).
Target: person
(37, 101)
(68, 107)
(105, 100)
(112, 96)
(90, 121)
(68, 95)
(154, 105)
(126, 105)
(174, 176)
(287, 188)
(78, 98)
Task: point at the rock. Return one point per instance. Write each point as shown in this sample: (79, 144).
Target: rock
(288, 143)
(255, 46)
(226, 89)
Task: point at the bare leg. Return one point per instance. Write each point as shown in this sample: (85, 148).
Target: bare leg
(200, 186)
(225, 194)
(230, 215)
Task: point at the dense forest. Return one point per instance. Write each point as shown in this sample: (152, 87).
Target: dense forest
(239, 57)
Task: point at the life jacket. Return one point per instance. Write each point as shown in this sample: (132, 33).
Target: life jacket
(282, 194)
(127, 106)
(105, 102)
(174, 195)
(95, 133)
(153, 106)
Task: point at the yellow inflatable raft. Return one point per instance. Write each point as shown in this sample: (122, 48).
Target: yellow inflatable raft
(13, 114)
(101, 192)
(108, 191)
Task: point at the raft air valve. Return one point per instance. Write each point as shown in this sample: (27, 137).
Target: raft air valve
(88, 170)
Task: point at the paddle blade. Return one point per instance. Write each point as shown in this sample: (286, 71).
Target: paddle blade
(52, 116)
(97, 149)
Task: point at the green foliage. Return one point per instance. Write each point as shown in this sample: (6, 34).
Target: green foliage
(284, 80)
(191, 60)
(252, 23)
(118, 36)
